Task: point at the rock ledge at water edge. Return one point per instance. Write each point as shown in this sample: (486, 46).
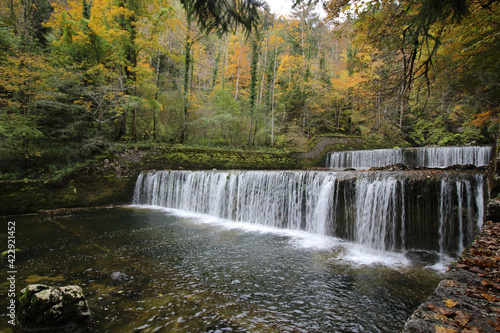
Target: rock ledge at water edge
(468, 299)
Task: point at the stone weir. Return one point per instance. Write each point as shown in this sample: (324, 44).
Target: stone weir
(428, 157)
(428, 210)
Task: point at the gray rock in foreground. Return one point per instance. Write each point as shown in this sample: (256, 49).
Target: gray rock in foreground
(45, 308)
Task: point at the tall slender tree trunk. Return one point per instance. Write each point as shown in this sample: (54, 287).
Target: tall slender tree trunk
(187, 67)
(253, 83)
(238, 75)
(402, 107)
(263, 75)
(274, 88)
(129, 24)
(156, 93)
(224, 68)
(378, 109)
(216, 68)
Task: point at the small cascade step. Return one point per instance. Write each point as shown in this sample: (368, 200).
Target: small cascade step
(429, 157)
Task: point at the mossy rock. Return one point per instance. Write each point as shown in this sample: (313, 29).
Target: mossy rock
(45, 308)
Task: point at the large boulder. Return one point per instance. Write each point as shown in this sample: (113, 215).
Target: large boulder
(45, 308)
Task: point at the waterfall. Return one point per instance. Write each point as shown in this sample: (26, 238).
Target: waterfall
(379, 212)
(364, 159)
(431, 157)
(285, 199)
(438, 157)
(458, 215)
(382, 210)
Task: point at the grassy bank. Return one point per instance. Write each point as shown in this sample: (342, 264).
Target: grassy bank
(110, 179)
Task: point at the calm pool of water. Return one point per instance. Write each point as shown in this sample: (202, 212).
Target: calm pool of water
(149, 270)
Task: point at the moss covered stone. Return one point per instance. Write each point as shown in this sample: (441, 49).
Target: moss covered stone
(44, 308)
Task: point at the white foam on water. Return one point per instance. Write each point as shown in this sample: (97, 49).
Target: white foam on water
(363, 255)
(350, 252)
(442, 265)
(300, 238)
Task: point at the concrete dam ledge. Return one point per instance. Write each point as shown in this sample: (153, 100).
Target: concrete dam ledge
(381, 210)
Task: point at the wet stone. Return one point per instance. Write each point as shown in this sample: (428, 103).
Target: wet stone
(421, 257)
(493, 210)
(45, 308)
(393, 167)
(119, 277)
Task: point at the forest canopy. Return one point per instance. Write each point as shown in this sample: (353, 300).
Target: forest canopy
(79, 76)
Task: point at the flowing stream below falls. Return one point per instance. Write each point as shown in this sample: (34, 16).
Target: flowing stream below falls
(167, 270)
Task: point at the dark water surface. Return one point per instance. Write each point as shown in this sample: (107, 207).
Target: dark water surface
(183, 272)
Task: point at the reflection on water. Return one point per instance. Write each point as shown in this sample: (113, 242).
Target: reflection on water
(165, 271)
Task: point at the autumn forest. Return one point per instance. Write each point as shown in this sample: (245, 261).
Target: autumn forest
(78, 77)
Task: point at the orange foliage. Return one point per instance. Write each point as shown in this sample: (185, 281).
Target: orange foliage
(238, 68)
(483, 118)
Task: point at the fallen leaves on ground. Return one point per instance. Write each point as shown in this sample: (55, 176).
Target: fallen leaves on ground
(451, 317)
(440, 329)
(450, 303)
(483, 259)
(495, 324)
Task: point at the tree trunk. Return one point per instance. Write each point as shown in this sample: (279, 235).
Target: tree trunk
(263, 75)
(187, 66)
(274, 87)
(253, 84)
(224, 68)
(156, 93)
(131, 57)
(402, 107)
(238, 75)
(216, 69)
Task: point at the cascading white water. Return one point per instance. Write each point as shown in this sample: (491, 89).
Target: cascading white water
(379, 212)
(376, 209)
(286, 199)
(457, 215)
(445, 213)
(438, 157)
(364, 159)
(431, 157)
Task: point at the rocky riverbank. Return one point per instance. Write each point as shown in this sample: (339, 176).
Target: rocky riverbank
(468, 298)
